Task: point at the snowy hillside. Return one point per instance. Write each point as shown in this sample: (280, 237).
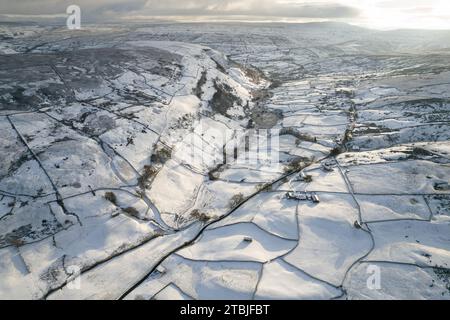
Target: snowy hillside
(103, 194)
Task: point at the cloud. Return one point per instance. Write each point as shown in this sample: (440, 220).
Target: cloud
(265, 8)
(119, 8)
(49, 7)
(381, 14)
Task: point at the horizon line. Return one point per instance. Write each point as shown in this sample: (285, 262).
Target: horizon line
(55, 20)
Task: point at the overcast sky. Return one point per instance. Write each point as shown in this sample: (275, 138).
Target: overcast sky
(381, 14)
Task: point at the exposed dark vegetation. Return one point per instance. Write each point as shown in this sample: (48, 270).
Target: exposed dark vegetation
(442, 204)
(443, 274)
(161, 155)
(259, 96)
(295, 133)
(147, 173)
(421, 152)
(263, 118)
(371, 129)
(111, 197)
(336, 151)
(185, 122)
(297, 164)
(16, 242)
(264, 187)
(214, 173)
(200, 216)
(198, 90)
(219, 66)
(348, 136)
(224, 98)
(236, 200)
(15, 165)
(252, 72)
(131, 211)
(15, 237)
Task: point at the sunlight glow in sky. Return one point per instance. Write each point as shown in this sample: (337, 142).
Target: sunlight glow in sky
(415, 14)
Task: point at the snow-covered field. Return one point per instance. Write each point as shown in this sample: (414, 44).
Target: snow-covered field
(103, 194)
